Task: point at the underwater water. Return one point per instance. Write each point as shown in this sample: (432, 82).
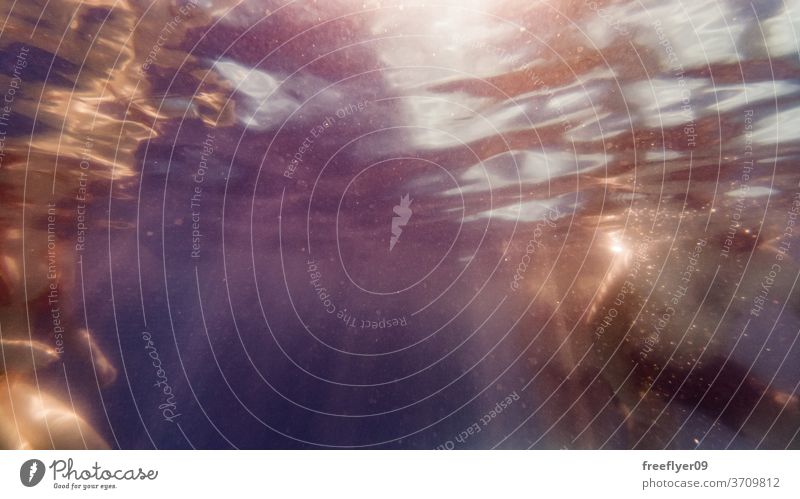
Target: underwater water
(393, 224)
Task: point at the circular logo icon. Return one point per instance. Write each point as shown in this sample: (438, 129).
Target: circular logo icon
(31, 472)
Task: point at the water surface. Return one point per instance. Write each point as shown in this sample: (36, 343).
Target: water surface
(451, 224)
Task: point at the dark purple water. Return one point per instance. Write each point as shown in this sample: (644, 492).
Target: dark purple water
(463, 224)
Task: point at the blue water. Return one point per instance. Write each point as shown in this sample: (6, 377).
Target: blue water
(597, 247)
